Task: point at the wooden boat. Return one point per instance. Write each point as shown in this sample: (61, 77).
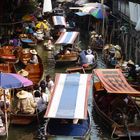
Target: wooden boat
(114, 105)
(75, 69)
(112, 55)
(92, 66)
(28, 40)
(67, 112)
(35, 70)
(68, 42)
(9, 54)
(26, 119)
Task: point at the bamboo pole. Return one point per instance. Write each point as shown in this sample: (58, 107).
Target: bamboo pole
(5, 114)
(102, 2)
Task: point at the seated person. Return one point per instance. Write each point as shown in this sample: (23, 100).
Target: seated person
(132, 74)
(23, 73)
(90, 57)
(82, 58)
(34, 58)
(25, 103)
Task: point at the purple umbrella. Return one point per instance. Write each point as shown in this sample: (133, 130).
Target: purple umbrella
(10, 80)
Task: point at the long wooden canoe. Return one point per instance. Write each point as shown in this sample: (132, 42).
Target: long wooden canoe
(35, 70)
(114, 104)
(26, 119)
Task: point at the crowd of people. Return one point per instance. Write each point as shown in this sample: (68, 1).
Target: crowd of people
(96, 41)
(29, 100)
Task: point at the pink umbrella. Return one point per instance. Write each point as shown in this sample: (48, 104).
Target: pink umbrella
(11, 80)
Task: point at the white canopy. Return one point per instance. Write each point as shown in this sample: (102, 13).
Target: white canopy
(47, 6)
(70, 96)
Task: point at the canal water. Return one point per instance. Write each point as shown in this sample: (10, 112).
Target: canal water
(36, 131)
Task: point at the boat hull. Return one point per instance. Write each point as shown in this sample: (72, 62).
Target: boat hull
(66, 59)
(116, 128)
(68, 131)
(26, 119)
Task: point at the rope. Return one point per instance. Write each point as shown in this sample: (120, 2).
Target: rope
(112, 135)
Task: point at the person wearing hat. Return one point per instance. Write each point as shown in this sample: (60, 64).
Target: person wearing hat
(34, 58)
(111, 56)
(132, 74)
(23, 73)
(89, 57)
(25, 103)
(99, 41)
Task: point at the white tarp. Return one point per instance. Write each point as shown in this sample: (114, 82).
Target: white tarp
(135, 14)
(69, 99)
(134, 11)
(137, 28)
(47, 6)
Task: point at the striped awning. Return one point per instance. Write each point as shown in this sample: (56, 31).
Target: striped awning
(70, 96)
(59, 20)
(67, 38)
(114, 81)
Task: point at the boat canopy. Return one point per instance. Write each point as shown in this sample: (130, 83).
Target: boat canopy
(70, 96)
(47, 6)
(114, 81)
(59, 20)
(67, 38)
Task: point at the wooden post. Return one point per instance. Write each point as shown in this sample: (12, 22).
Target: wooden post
(5, 114)
(102, 2)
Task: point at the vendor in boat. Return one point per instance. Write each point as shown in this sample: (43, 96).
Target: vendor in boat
(23, 73)
(82, 58)
(132, 74)
(90, 58)
(25, 104)
(118, 54)
(67, 49)
(34, 58)
(111, 57)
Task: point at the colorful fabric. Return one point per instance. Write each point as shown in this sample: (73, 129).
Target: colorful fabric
(67, 38)
(59, 20)
(114, 81)
(69, 98)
